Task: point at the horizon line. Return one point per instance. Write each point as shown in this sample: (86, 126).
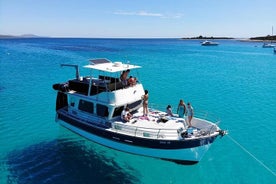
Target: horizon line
(193, 37)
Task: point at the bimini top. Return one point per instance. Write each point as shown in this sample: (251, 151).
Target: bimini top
(108, 66)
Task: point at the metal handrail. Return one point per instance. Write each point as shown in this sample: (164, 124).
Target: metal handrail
(169, 133)
(206, 116)
(145, 132)
(198, 113)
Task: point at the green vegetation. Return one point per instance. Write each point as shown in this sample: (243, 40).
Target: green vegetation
(268, 38)
(207, 38)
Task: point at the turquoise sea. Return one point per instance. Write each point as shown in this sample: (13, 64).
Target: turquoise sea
(235, 81)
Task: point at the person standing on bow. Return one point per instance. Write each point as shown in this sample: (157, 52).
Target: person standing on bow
(190, 113)
(181, 109)
(145, 99)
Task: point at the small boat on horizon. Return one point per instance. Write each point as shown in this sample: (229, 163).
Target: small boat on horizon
(209, 43)
(268, 45)
(91, 106)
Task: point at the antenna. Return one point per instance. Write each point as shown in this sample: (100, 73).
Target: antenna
(76, 67)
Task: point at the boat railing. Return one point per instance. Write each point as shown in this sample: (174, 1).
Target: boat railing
(206, 121)
(153, 133)
(203, 120)
(197, 113)
(206, 116)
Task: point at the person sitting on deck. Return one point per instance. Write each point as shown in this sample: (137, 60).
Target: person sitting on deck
(126, 115)
(169, 110)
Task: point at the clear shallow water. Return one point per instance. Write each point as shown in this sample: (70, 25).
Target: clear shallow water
(236, 81)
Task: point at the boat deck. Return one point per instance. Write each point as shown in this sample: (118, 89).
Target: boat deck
(157, 125)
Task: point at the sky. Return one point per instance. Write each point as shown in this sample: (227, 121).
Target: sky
(138, 18)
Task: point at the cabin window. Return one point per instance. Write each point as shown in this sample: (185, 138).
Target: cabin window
(72, 101)
(86, 106)
(102, 110)
(118, 111)
(134, 104)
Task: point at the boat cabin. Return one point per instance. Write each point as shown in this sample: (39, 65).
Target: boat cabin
(102, 94)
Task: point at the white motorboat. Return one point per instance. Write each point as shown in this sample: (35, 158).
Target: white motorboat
(91, 106)
(209, 43)
(268, 45)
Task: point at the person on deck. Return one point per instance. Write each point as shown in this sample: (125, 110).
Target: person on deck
(190, 113)
(131, 81)
(125, 115)
(181, 109)
(169, 110)
(123, 77)
(145, 99)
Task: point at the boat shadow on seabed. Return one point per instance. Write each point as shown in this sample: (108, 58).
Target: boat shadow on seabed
(63, 161)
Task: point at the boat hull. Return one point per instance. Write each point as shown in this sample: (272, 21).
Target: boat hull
(184, 152)
(268, 46)
(210, 44)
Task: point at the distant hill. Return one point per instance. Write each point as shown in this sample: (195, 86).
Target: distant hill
(7, 36)
(206, 38)
(29, 36)
(268, 38)
(20, 36)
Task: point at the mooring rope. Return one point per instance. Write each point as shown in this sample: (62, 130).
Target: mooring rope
(245, 150)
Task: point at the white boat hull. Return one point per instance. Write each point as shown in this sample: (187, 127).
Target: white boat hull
(184, 155)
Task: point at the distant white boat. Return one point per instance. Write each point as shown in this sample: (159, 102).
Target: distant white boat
(209, 43)
(268, 45)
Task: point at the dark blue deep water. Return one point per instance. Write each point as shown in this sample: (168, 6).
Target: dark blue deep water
(236, 81)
